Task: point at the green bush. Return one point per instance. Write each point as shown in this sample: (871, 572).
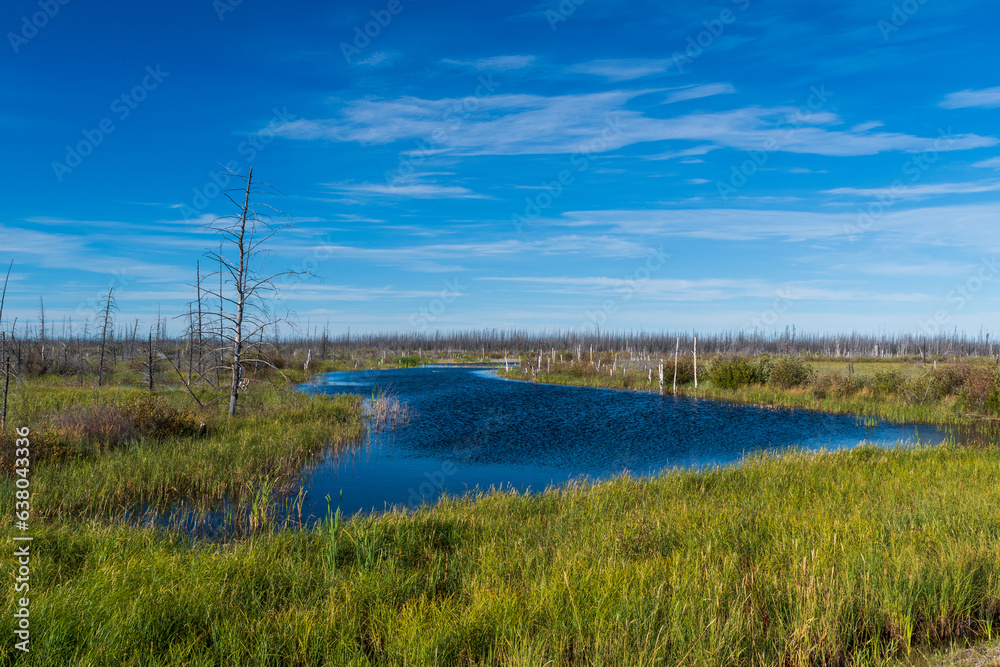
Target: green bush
(949, 378)
(920, 388)
(685, 370)
(835, 384)
(789, 371)
(885, 383)
(731, 371)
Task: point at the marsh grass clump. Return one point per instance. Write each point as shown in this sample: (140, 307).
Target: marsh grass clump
(731, 371)
(84, 426)
(384, 411)
(123, 419)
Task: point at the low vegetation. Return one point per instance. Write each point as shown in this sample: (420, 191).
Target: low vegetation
(960, 391)
(853, 557)
(862, 557)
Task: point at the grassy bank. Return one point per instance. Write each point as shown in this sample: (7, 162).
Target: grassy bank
(966, 393)
(102, 452)
(850, 557)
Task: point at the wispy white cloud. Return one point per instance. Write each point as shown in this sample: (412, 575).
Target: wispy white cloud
(728, 224)
(956, 225)
(697, 92)
(916, 267)
(707, 289)
(921, 191)
(415, 187)
(380, 59)
(991, 163)
(594, 122)
(446, 254)
(625, 69)
(686, 153)
(496, 63)
(988, 98)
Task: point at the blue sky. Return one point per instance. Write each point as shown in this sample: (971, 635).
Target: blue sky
(629, 165)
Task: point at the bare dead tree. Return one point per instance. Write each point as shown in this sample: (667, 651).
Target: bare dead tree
(197, 273)
(41, 320)
(107, 324)
(150, 362)
(191, 337)
(245, 286)
(6, 381)
(4, 356)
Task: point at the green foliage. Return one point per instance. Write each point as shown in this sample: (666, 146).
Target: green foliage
(846, 558)
(408, 362)
(980, 391)
(732, 371)
(788, 371)
(685, 370)
(97, 452)
(949, 378)
(885, 383)
(836, 384)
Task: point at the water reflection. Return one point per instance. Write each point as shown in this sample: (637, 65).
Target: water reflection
(470, 429)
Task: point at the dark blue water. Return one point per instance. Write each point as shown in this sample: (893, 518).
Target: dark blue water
(470, 428)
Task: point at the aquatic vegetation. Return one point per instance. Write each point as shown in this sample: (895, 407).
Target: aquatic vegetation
(851, 557)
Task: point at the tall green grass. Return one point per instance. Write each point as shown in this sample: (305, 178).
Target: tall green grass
(852, 557)
(896, 407)
(234, 460)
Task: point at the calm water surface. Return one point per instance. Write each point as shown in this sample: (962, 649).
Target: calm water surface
(470, 428)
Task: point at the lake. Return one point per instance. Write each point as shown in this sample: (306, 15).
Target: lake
(470, 428)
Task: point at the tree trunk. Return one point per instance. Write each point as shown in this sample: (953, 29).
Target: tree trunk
(695, 362)
(241, 278)
(104, 337)
(150, 362)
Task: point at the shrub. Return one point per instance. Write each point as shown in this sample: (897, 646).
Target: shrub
(787, 371)
(919, 389)
(975, 383)
(885, 383)
(685, 370)
(579, 370)
(733, 371)
(949, 378)
(980, 391)
(154, 418)
(836, 384)
(110, 425)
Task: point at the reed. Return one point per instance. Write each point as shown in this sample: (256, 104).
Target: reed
(168, 460)
(961, 394)
(852, 557)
